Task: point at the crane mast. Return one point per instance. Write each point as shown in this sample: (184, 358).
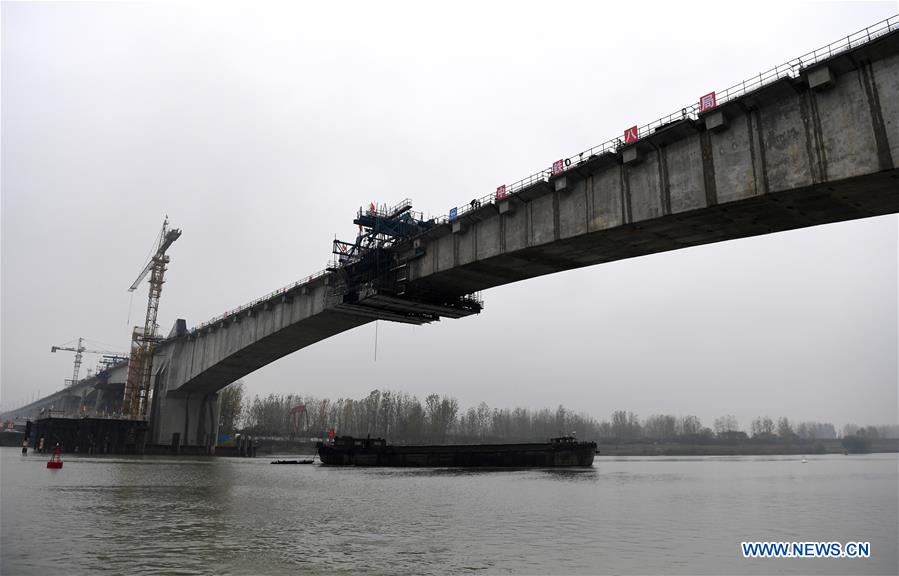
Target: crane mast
(78, 355)
(143, 340)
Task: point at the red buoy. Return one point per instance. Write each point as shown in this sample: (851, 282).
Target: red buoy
(55, 460)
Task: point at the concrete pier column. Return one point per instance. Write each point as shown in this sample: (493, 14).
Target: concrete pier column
(193, 416)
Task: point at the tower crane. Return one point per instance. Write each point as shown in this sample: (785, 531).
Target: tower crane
(144, 340)
(79, 351)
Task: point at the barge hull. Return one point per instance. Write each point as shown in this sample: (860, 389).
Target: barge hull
(460, 456)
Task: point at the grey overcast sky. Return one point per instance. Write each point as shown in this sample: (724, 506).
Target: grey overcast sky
(261, 127)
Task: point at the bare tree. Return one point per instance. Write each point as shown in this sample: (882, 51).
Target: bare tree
(660, 427)
(690, 426)
(785, 428)
(725, 424)
(231, 407)
(625, 425)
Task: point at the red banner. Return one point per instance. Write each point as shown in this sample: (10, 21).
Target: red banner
(631, 135)
(707, 102)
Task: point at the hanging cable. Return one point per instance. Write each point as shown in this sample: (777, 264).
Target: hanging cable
(100, 344)
(130, 306)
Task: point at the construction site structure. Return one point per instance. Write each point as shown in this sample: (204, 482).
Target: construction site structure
(144, 339)
(297, 415)
(108, 358)
(370, 278)
(379, 228)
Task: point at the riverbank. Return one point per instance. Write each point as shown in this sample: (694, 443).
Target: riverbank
(738, 449)
(646, 448)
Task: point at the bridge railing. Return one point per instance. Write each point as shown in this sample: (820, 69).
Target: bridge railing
(256, 302)
(790, 69)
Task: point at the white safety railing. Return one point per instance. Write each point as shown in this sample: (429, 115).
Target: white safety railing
(269, 296)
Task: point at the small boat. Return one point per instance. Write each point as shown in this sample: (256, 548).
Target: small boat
(804, 461)
(306, 461)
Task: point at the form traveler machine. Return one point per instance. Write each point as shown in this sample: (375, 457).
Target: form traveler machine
(371, 275)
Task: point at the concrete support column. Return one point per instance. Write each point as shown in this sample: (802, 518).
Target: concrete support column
(194, 417)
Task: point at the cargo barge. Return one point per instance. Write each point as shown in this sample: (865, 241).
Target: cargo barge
(563, 451)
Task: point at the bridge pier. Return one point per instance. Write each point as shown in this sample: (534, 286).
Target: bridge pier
(179, 417)
(192, 417)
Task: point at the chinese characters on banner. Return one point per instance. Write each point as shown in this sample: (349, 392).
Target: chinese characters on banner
(631, 135)
(707, 102)
(453, 213)
(500, 192)
(558, 166)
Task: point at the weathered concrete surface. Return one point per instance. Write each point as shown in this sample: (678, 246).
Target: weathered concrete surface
(101, 393)
(785, 156)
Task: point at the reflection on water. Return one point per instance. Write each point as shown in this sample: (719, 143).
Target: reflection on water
(623, 515)
(571, 474)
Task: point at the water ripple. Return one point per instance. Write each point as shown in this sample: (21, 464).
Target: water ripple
(624, 515)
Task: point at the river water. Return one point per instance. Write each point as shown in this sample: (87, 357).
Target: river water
(152, 515)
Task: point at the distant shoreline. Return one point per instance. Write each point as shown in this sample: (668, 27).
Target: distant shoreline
(737, 449)
(646, 448)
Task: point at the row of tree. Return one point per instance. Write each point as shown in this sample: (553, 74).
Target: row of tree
(402, 417)
(398, 416)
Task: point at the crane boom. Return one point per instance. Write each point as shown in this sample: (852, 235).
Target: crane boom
(143, 341)
(141, 276)
(79, 350)
(85, 350)
(166, 238)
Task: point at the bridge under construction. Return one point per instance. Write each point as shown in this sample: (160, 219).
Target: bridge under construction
(810, 142)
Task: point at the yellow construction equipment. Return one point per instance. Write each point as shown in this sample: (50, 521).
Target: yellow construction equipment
(143, 340)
